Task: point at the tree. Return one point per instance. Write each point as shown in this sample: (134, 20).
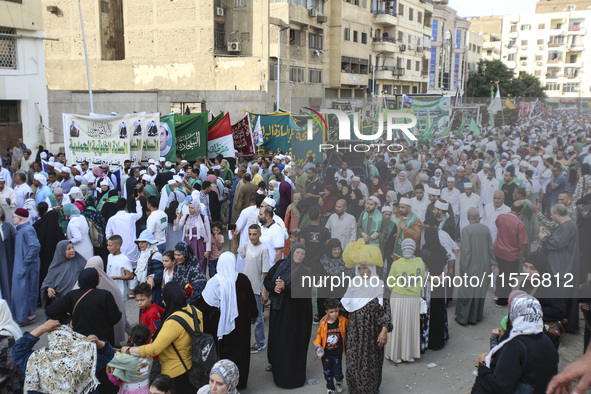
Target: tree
(483, 81)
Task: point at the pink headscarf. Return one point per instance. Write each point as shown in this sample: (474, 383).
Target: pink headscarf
(98, 172)
(214, 182)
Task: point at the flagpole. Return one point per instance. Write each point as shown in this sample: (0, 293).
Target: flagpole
(86, 57)
(502, 110)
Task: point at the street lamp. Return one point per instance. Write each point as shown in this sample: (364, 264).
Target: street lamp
(279, 63)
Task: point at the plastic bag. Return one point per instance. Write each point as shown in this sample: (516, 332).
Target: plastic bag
(359, 253)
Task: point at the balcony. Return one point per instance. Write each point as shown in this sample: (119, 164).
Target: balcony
(385, 19)
(354, 79)
(574, 65)
(580, 32)
(556, 32)
(385, 72)
(553, 75)
(556, 44)
(510, 64)
(384, 44)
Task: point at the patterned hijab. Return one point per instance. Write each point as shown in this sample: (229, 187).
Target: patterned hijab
(189, 273)
(66, 365)
(229, 373)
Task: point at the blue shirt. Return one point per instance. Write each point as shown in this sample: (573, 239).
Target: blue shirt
(561, 182)
(42, 194)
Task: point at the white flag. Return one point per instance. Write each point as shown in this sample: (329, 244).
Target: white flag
(496, 105)
(257, 133)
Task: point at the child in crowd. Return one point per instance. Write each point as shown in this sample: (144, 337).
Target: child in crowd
(131, 373)
(168, 262)
(217, 243)
(150, 312)
(119, 267)
(256, 265)
(330, 345)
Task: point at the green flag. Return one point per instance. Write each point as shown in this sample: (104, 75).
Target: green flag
(191, 135)
(462, 127)
(445, 132)
(474, 128)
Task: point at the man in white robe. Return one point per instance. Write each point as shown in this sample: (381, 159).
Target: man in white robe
(467, 201)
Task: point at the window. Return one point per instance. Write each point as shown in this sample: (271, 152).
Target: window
(540, 42)
(489, 52)
(458, 38)
(297, 74)
(411, 14)
(523, 58)
(419, 17)
(435, 29)
(364, 38)
(219, 35)
(538, 73)
(112, 31)
(410, 39)
(573, 59)
(523, 42)
(297, 37)
(539, 58)
(355, 36)
(552, 86)
(400, 36)
(315, 76)
(432, 67)
(525, 27)
(456, 70)
(570, 88)
(408, 64)
(511, 57)
(315, 41)
(417, 66)
(513, 28)
(7, 49)
(347, 34)
(240, 3)
(478, 49)
(273, 70)
(541, 26)
(400, 9)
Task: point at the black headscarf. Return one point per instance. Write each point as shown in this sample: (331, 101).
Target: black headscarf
(433, 254)
(50, 233)
(285, 270)
(189, 272)
(539, 260)
(173, 295)
(88, 279)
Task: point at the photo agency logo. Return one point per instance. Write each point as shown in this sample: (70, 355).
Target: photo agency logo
(395, 121)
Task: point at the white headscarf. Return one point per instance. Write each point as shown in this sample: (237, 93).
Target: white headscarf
(6, 321)
(220, 292)
(361, 292)
(526, 319)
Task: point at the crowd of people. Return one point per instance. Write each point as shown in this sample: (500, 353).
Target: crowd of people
(219, 246)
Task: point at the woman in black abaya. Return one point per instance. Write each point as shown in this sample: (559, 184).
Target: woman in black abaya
(290, 321)
(435, 258)
(50, 233)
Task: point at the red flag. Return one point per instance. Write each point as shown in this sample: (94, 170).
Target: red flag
(219, 139)
(242, 134)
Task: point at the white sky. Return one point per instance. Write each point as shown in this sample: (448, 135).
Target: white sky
(492, 7)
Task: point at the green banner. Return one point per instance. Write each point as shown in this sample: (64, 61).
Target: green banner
(437, 109)
(301, 147)
(276, 131)
(167, 138)
(191, 135)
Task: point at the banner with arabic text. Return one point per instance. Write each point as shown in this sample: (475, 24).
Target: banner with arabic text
(191, 135)
(243, 140)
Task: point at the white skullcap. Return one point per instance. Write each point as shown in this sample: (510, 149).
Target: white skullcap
(177, 179)
(460, 168)
(171, 181)
(51, 159)
(468, 184)
(78, 168)
(147, 178)
(74, 190)
(43, 155)
(105, 182)
(386, 208)
(486, 165)
(404, 201)
(168, 164)
(440, 204)
(2, 179)
(434, 191)
(67, 170)
(162, 160)
(270, 202)
(523, 163)
(142, 172)
(41, 179)
(151, 161)
(184, 161)
(375, 199)
(58, 166)
(356, 179)
(236, 170)
(153, 168)
(289, 157)
(79, 178)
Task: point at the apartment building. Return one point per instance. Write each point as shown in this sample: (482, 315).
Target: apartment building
(23, 93)
(490, 28)
(449, 43)
(157, 56)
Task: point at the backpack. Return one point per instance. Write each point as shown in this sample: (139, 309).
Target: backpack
(172, 208)
(97, 235)
(203, 350)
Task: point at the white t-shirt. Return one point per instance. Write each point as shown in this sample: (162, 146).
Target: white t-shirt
(115, 266)
(273, 238)
(255, 265)
(157, 223)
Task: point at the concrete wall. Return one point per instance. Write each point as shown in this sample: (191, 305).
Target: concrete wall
(168, 45)
(26, 83)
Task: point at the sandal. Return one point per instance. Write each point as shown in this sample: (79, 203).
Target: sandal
(269, 368)
(28, 322)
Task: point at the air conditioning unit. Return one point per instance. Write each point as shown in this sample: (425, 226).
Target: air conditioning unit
(402, 47)
(568, 46)
(409, 47)
(524, 47)
(540, 63)
(524, 63)
(420, 49)
(219, 11)
(234, 46)
(541, 47)
(312, 12)
(322, 18)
